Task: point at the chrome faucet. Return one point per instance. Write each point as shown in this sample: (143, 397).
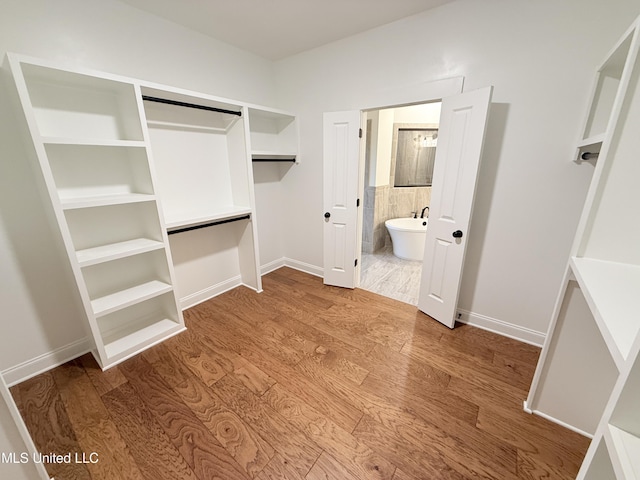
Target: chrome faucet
(422, 213)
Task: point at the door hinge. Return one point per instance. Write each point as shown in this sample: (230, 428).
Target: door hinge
(355, 264)
(360, 133)
(357, 202)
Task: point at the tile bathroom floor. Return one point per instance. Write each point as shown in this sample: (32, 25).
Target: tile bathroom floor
(385, 274)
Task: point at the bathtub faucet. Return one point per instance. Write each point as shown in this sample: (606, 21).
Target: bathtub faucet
(422, 213)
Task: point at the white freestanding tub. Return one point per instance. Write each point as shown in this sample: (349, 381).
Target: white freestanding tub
(408, 236)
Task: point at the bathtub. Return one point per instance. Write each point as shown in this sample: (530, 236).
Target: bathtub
(407, 237)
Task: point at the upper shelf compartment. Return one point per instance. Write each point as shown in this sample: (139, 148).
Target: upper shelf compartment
(611, 80)
(274, 135)
(76, 108)
(179, 110)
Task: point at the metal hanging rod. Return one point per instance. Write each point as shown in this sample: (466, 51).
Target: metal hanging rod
(273, 160)
(589, 155)
(210, 224)
(189, 105)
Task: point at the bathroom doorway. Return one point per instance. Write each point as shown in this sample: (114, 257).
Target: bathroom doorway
(400, 144)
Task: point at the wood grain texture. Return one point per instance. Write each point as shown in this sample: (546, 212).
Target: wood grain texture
(304, 382)
(150, 446)
(197, 445)
(92, 423)
(249, 450)
(48, 423)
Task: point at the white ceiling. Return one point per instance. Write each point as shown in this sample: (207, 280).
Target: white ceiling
(275, 29)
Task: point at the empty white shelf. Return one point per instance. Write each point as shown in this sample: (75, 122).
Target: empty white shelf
(130, 296)
(594, 140)
(98, 142)
(144, 332)
(612, 292)
(106, 253)
(202, 217)
(105, 200)
(624, 448)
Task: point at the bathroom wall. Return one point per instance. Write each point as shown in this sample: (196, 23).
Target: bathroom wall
(382, 200)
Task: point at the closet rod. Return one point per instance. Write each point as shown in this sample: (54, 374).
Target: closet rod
(189, 105)
(273, 160)
(210, 224)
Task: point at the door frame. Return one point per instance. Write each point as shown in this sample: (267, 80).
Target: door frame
(427, 92)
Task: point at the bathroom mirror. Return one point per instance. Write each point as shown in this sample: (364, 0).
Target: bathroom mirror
(415, 152)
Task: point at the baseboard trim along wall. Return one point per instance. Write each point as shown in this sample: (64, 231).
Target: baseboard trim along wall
(35, 366)
(304, 267)
(500, 327)
(295, 264)
(205, 294)
(556, 421)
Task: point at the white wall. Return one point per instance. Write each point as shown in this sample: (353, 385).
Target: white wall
(541, 57)
(40, 313)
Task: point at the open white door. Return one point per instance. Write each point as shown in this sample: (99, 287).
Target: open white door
(341, 157)
(463, 121)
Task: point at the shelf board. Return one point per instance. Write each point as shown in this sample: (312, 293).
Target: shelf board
(106, 253)
(105, 200)
(594, 140)
(624, 447)
(139, 335)
(116, 301)
(97, 142)
(265, 156)
(198, 218)
(611, 290)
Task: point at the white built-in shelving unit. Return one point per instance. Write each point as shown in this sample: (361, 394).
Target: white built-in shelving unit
(274, 135)
(152, 190)
(588, 375)
(93, 154)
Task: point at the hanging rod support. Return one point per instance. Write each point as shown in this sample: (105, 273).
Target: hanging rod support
(589, 155)
(210, 224)
(190, 105)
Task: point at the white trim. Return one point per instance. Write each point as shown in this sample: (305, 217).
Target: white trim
(271, 266)
(556, 421)
(291, 263)
(500, 327)
(22, 430)
(42, 363)
(213, 291)
(295, 264)
(304, 267)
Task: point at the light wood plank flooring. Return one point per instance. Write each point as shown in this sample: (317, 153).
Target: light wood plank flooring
(306, 382)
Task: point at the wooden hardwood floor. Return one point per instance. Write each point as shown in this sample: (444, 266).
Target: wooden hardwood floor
(306, 382)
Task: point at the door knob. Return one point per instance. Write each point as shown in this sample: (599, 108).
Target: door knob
(327, 214)
(457, 234)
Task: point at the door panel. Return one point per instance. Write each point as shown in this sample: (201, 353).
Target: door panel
(341, 158)
(460, 138)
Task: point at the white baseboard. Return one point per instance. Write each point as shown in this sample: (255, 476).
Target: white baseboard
(295, 264)
(35, 366)
(203, 295)
(528, 409)
(500, 327)
(304, 267)
(272, 266)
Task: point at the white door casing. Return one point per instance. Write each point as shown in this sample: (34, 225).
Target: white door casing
(341, 148)
(463, 121)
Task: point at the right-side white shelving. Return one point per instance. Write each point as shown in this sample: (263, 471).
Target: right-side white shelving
(588, 375)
